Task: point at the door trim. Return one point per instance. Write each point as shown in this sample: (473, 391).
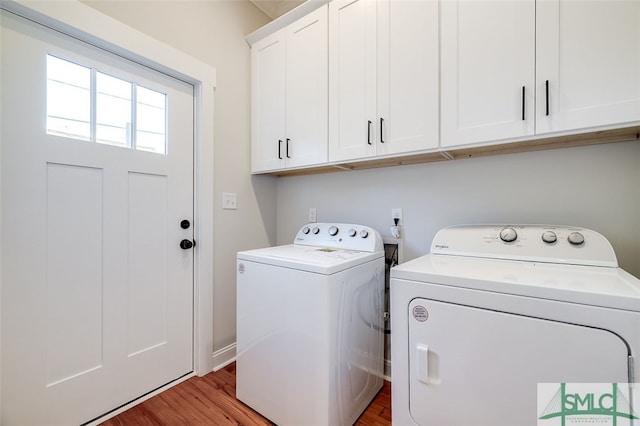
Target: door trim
(87, 24)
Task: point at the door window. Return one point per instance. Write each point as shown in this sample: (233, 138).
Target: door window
(84, 103)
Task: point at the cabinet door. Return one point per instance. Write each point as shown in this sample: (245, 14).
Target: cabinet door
(408, 107)
(268, 103)
(487, 54)
(307, 90)
(589, 53)
(352, 79)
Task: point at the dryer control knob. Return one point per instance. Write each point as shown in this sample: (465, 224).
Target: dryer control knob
(576, 238)
(305, 230)
(333, 230)
(352, 232)
(315, 230)
(549, 237)
(508, 235)
(364, 233)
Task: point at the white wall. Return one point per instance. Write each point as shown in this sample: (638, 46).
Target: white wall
(213, 31)
(594, 187)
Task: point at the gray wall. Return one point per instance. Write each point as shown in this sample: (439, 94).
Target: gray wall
(596, 187)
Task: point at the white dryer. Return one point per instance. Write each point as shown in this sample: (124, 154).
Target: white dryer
(493, 311)
(310, 325)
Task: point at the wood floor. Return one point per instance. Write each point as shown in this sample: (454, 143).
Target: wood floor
(210, 400)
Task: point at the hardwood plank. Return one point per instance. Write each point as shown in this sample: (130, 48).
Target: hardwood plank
(211, 400)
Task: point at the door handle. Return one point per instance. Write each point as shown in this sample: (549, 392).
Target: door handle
(187, 244)
(546, 95)
(422, 359)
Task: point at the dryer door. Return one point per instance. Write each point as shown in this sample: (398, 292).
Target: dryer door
(471, 366)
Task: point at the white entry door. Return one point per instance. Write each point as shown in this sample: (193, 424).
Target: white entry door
(97, 292)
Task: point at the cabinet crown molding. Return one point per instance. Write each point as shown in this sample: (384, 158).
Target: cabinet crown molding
(284, 20)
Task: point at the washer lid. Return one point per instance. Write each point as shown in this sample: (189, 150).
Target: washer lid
(321, 260)
(589, 285)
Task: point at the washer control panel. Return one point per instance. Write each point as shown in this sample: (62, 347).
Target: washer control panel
(535, 243)
(340, 235)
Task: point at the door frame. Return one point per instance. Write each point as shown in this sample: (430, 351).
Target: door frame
(87, 24)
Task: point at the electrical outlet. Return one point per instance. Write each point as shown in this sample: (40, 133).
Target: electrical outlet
(312, 214)
(396, 214)
(229, 200)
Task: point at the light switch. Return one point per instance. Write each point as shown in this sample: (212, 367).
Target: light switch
(229, 200)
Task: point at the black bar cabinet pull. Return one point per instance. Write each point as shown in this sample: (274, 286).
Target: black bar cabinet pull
(546, 89)
(279, 149)
(381, 136)
(287, 148)
(522, 103)
(369, 132)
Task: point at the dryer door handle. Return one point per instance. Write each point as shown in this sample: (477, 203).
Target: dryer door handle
(422, 357)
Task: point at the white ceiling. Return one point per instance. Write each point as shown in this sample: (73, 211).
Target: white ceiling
(276, 8)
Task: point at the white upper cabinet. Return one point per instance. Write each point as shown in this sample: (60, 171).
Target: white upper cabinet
(585, 56)
(589, 53)
(352, 79)
(487, 73)
(383, 77)
(408, 67)
(359, 80)
(290, 95)
(307, 90)
(268, 71)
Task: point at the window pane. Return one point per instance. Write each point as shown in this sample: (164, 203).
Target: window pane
(151, 120)
(73, 90)
(68, 99)
(113, 110)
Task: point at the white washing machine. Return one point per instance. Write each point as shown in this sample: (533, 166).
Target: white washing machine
(310, 325)
(492, 311)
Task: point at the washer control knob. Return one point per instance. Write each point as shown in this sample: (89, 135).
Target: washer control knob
(508, 235)
(305, 230)
(364, 233)
(549, 237)
(352, 232)
(315, 230)
(333, 230)
(576, 238)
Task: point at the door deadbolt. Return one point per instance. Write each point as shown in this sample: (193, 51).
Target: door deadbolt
(185, 224)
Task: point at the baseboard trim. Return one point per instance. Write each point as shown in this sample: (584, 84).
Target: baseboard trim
(224, 356)
(387, 370)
